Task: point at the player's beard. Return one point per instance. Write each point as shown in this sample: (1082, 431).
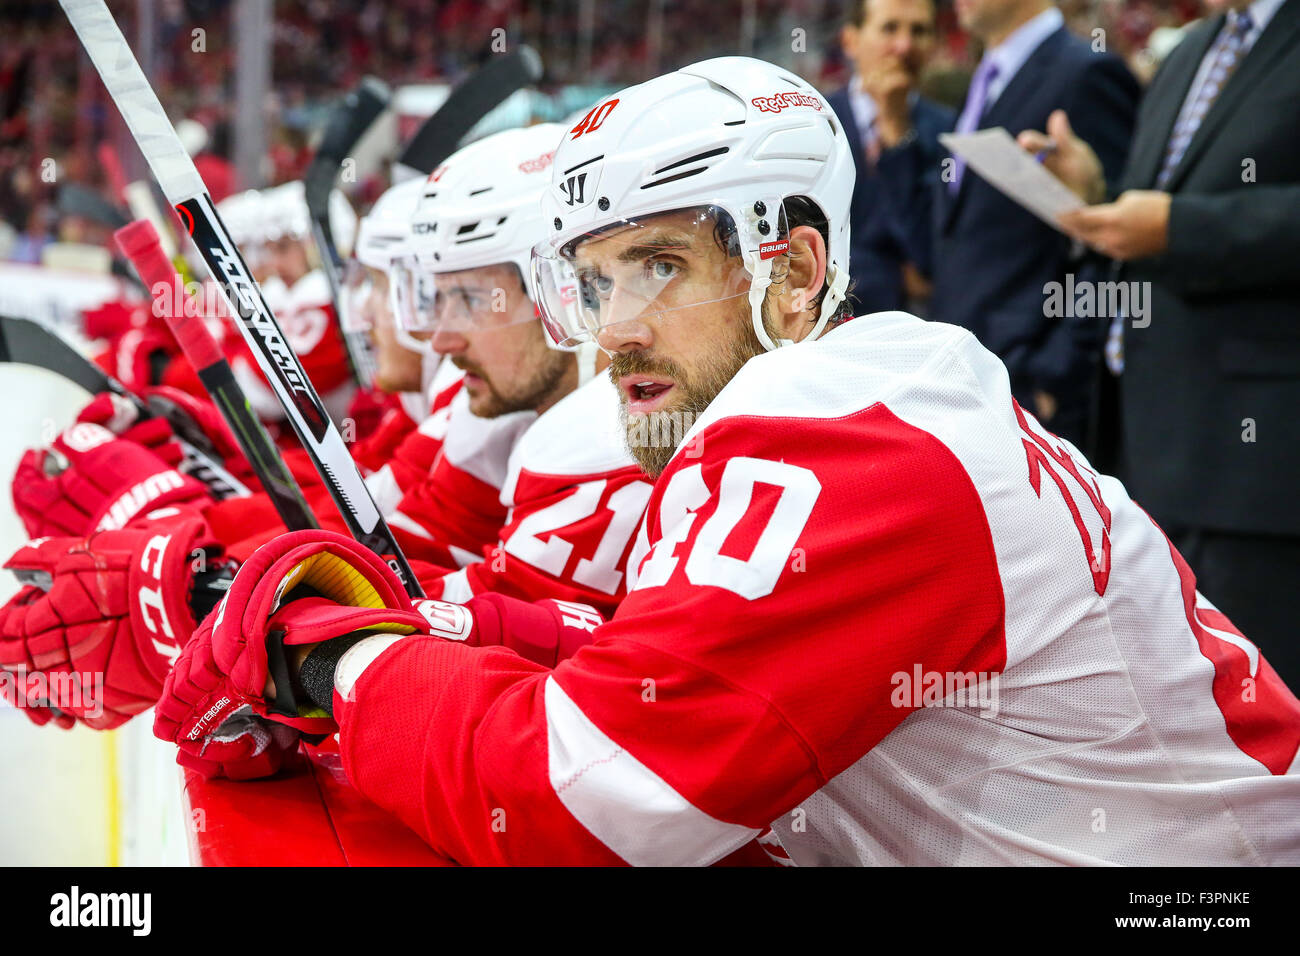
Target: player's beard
(653, 439)
(522, 395)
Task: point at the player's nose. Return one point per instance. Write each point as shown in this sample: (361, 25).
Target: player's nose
(627, 336)
(445, 341)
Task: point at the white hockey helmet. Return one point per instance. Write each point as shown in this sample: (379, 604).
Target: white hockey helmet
(731, 134)
(287, 215)
(383, 235)
(243, 215)
(480, 208)
(384, 231)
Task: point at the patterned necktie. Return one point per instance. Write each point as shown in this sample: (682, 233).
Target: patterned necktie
(872, 148)
(1228, 50)
(972, 113)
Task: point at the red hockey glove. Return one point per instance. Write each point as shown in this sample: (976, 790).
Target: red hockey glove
(93, 633)
(136, 357)
(122, 418)
(91, 481)
(301, 588)
(28, 697)
(177, 414)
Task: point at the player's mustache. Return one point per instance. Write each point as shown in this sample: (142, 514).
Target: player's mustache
(469, 368)
(638, 363)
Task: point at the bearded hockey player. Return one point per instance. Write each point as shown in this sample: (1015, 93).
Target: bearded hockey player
(877, 607)
(549, 518)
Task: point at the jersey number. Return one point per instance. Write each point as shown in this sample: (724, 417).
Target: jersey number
(601, 570)
(1043, 456)
(752, 577)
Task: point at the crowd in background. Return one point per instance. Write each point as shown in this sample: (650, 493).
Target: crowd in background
(49, 109)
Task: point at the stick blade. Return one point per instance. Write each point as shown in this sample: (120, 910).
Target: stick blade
(468, 103)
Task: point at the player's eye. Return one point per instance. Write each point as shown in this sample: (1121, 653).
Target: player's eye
(595, 285)
(663, 269)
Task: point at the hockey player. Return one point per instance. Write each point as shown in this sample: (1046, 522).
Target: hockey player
(307, 312)
(879, 607)
(551, 516)
(532, 493)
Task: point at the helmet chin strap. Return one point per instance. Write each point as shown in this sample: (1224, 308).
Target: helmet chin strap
(762, 278)
(760, 271)
(408, 341)
(430, 362)
(586, 356)
(839, 279)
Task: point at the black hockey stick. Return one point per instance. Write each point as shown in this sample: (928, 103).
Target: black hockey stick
(347, 124)
(30, 343)
(184, 188)
(468, 103)
(77, 200)
(140, 244)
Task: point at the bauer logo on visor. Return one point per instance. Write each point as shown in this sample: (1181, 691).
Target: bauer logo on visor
(769, 250)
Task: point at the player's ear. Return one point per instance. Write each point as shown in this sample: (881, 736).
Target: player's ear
(804, 278)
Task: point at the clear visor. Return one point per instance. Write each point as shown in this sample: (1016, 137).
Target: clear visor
(461, 301)
(361, 285)
(662, 268)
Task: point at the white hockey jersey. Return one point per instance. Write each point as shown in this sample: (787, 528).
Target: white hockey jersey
(880, 609)
(573, 497)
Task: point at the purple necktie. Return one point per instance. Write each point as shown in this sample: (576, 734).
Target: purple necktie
(969, 121)
(1227, 52)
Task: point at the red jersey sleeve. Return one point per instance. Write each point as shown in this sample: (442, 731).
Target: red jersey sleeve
(792, 572)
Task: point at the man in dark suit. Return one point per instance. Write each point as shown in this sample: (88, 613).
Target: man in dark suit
(1210, 393)
(889, 122)
(994, 262)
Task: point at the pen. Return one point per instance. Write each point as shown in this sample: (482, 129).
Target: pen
(1046, 151)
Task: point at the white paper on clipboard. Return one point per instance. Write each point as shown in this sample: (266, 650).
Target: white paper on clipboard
(997, 159)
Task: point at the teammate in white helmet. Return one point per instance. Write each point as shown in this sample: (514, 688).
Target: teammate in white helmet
(876, 606)
(305, 309)
(534, 507)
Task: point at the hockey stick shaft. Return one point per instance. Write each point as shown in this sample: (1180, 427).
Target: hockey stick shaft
(348, 123)
(140, 244)
(440, 134)
(184, 188)
(30, 343)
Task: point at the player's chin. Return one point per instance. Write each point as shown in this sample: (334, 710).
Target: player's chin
(653, 459)
(483, 401)
(652, 438)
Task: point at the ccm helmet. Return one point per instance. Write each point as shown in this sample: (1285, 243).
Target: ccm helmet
(481, 208)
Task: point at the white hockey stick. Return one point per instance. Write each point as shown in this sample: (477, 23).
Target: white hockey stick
(184, 189)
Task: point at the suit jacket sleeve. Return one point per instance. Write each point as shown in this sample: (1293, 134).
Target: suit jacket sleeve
(1242, 239)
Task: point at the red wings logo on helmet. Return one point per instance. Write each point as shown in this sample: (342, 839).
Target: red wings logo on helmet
(779, 101)
(537, 164)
